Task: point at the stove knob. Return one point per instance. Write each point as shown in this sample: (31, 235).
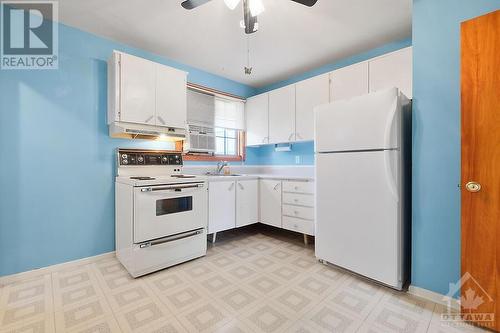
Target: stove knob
(164, 159)
(125, 162)
(124, 156)
(140, 159)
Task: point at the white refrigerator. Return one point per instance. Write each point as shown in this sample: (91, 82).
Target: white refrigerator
(363, 165)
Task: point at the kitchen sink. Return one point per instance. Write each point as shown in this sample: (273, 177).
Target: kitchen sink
(222, 175)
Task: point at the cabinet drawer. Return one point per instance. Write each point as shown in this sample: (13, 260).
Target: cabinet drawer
(296, 211)
(298, 225)
(298, 199)
(298, 187)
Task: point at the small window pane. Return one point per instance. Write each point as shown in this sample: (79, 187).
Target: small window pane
(230, 146)
(230, 133)
(219, 150)
(219, 132)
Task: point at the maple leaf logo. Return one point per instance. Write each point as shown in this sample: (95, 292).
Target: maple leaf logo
(471, 301)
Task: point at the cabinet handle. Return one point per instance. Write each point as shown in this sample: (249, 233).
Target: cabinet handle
(290, 136)
(147, 120)
(161, 120)
(299, 136)
(295, 212)
(276, 186)
(296, 200)
(295, 188)
(241, 186)
(264, 139)
(231, 187)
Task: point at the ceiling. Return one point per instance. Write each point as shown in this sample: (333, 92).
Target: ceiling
(292, 38)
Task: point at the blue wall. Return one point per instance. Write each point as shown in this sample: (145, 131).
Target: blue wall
(56, 158)
(436, 138)
(302, 153)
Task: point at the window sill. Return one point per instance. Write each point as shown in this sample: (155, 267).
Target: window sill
(216, 158)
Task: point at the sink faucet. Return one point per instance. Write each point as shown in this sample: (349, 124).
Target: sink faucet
(220, 166)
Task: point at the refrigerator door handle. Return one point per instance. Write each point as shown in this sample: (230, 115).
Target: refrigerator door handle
(388, 173)
(388, 125)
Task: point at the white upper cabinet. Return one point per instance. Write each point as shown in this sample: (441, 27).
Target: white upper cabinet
(171, 97)
(308, 94)
(247, 202)
(348, 82)
(257, 119)
(137, 90)
(392, 70)
(143, 92)
(282, 114)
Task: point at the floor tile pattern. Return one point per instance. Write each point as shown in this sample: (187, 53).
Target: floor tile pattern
(252, 280)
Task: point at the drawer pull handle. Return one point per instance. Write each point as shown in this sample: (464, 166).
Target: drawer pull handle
(296, 200)
(295, 212)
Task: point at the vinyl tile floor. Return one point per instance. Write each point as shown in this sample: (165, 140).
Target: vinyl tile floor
(251, 280)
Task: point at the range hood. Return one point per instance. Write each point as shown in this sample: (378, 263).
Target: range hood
(126, 130)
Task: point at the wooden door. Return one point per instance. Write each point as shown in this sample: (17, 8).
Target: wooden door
(349, 82)
(282, 115)
(270, 202)
(308, 94)
(257, 116)
(480, 86)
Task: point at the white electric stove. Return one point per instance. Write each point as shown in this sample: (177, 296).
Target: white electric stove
(161, 214)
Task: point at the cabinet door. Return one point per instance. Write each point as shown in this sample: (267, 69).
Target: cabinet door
(247, 202)
(282, 114)
(392, 70)
(171, 97)
(257, 116)
(348, 82)
(270, 202)
(221, 206)
(308, 94)
(137, 90)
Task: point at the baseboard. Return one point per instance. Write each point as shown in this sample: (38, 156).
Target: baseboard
(434, 297)
(8, 279)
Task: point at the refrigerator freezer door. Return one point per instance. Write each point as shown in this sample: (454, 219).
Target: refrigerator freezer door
(363, 123)
(358, 213)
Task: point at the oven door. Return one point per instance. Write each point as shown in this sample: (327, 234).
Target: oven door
(166, 210)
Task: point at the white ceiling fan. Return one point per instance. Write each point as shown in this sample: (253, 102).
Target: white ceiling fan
(251, 9)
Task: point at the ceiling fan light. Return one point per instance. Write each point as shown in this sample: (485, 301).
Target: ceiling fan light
(231, 4)
(256, 7)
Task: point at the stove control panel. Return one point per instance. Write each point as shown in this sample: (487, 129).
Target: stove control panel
(144, 157)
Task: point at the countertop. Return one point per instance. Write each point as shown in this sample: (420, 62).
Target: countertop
(258, 176)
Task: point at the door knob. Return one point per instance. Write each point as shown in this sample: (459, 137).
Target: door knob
(473, 186)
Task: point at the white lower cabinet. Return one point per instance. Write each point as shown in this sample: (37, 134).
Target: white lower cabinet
(298, 206)
(270, 202)
(221, 206)
(247, 202)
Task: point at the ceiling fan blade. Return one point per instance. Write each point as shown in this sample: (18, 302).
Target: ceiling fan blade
(308, 3)
(250, 21)
(191, 4)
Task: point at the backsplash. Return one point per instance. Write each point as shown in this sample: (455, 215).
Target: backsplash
(302, 153)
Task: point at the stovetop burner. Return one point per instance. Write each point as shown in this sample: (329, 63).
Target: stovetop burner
(143, 178)
(183, 176)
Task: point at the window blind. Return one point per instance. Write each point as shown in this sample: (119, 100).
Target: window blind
(229, 114)
(200, 108)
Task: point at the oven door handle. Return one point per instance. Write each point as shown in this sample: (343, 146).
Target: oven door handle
(173, 187)
(167, 239)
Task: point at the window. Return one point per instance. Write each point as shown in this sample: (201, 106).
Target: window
(226, 142)
(226, 116)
